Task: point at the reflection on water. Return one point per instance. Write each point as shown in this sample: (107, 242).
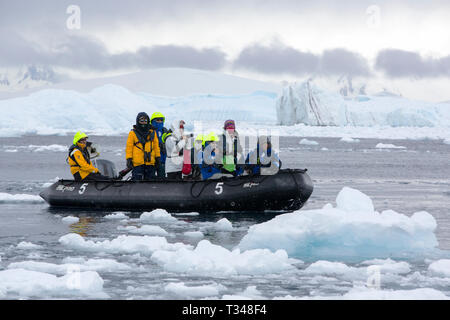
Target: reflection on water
(83, 225)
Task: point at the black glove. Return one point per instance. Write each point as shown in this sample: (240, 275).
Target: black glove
(130, 163)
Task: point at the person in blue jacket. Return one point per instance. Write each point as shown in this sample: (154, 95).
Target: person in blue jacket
(209, 167)
(264, 160)
(157, 120)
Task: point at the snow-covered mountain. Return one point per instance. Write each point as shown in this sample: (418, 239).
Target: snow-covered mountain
(310, 104)
(26, 77)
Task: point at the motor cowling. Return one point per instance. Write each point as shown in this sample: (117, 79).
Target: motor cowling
(106, 167)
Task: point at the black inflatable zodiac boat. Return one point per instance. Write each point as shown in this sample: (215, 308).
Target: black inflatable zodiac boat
(287, 190)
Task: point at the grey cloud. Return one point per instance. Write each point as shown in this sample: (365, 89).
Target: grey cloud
(399, 63)
(84, 52)
(182, 56)
(276, 59)
(341, 61)
(279, 59)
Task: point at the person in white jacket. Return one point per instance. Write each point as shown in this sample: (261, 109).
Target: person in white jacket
(175, 141)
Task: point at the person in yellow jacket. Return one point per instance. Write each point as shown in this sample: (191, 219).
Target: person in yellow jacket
(80, 160)
(142, 151)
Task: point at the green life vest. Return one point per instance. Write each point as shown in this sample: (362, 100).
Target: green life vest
(229, 161)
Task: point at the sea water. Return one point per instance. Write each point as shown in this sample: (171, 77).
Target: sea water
(87, 254)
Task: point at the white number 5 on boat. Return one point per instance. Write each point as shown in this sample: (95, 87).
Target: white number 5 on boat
(219, 188)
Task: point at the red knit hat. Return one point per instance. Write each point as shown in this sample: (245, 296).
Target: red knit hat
(229, 124)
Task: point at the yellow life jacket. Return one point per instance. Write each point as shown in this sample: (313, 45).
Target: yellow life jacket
(80, 162)
(142, 149)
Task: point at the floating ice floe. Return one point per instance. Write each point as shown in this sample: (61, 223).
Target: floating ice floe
(351, 230)
(158, 216)
(52, 181)
(388, 146)
(223, 225)
(26, 283)
(34, 148)
(122, 244)
(116, 216)
(389, 266)
(250, 293)
(28, 246)
(363, 293)
(440, 268)
(186, 213)
(70, 220)
(194, 234)
(149, 230)
(349, 140)
(210, 259)
(71, 265)
(307, 142)
(19, 198)
(52, 147)
(208, 290)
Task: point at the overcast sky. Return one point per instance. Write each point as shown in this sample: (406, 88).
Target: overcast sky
(276, 39)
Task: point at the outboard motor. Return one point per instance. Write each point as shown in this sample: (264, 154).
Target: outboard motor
(106, 167)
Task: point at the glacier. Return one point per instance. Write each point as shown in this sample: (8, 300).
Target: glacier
(306, 103)
(112, 109)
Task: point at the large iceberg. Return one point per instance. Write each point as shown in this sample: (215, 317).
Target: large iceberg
(351, 230)
(309, 104)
